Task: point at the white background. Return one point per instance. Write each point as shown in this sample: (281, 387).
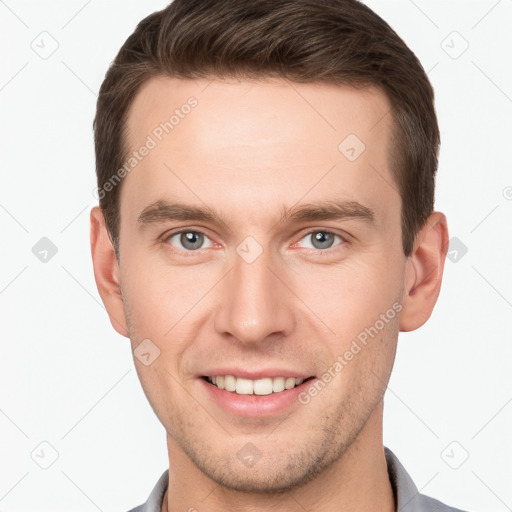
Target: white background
(68, 379)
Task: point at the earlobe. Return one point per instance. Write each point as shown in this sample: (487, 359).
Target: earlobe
(106, 271)
(424, 273)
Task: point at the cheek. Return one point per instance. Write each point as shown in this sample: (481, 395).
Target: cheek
(358, 301)
(159, 295)
(351, 296)
(166, 305)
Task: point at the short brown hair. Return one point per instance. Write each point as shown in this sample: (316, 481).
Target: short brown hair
(334, 41)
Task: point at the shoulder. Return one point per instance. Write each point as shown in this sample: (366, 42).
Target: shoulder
(154, 501)
(428, 504)
(408, 497)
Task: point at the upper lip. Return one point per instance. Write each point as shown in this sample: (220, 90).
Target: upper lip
(256, 374)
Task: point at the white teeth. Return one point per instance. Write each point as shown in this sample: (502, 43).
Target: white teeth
(278, 384)
(289, 383)
(229, 383)
(264, 386)
(244, 386)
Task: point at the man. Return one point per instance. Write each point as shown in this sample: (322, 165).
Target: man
(265, 230)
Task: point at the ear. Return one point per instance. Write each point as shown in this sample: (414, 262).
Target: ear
(106, 271)
(424, 272)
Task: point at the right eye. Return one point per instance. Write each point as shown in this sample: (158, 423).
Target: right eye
(189, 240)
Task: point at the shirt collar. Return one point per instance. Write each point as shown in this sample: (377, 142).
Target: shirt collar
(407, 496)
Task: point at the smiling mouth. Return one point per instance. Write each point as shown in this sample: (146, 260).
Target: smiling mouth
(264, 386)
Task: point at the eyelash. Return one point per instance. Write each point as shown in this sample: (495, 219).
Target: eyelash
(344, 241)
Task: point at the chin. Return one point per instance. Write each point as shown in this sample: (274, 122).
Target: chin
(277, 470)
(279, 481)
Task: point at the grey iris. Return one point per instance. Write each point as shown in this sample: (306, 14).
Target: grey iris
(192, 240)
(322, 240)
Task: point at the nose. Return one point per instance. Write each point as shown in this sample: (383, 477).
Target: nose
(254, 303)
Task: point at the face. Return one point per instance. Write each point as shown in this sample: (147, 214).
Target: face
(260, 245)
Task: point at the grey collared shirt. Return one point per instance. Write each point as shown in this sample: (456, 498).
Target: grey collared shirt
(407, 496)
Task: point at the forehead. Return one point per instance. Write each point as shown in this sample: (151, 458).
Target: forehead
(266, 142)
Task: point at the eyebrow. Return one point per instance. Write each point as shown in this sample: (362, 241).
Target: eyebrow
(328, 210)
(162, 211)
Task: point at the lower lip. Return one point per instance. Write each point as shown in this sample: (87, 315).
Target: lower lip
(254, 406)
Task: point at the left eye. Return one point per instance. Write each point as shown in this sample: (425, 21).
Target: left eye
(320, 239)
(189, 240)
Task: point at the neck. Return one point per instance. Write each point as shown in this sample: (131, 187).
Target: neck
(358, 480)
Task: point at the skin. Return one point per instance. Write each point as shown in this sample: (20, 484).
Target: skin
(246, 151)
